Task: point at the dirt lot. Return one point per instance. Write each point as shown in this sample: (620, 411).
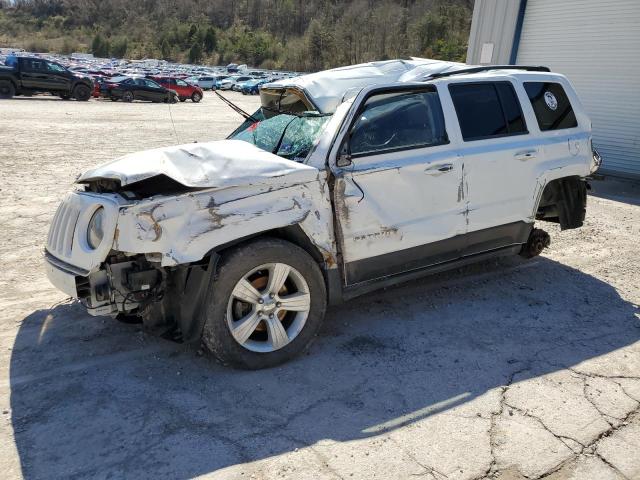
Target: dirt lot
(507, 369)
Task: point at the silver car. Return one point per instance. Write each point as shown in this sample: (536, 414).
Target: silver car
(206, 83)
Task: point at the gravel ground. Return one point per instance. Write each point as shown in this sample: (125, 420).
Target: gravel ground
(508, 369)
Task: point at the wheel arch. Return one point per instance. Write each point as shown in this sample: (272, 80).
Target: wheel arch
(194, 280)
(563, 200)
(296, 235)
(291, 233)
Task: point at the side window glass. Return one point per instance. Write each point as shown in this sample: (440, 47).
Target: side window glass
(487, 110)
(37, 66)
(181, 83)
(551, 105)
(397, 121)
(54, 67)
(511, 108)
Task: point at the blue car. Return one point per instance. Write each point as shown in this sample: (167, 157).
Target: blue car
(252, 87)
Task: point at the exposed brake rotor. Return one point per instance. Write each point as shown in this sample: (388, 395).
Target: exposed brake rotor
(260, 283)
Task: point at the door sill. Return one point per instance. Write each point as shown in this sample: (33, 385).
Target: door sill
(357, 289)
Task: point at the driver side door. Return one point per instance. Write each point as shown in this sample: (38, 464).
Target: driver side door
(34, 73)
(399, 189)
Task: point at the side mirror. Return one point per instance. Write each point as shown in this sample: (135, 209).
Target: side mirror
(344, 157)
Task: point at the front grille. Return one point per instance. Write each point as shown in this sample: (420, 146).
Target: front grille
(63, 227)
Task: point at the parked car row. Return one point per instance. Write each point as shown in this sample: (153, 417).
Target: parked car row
(82, 76)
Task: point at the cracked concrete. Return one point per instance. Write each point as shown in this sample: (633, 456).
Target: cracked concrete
(508, 370)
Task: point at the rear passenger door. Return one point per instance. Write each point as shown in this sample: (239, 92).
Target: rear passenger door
(500, 161)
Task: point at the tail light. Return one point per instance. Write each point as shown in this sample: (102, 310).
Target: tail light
(596, 159)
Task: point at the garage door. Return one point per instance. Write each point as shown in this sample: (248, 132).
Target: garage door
(596, 43)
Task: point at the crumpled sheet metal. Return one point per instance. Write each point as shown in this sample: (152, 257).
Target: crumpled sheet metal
(328, 88)
(185, 228)
(220, 164)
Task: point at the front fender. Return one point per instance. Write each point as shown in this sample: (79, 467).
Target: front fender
(186, 228)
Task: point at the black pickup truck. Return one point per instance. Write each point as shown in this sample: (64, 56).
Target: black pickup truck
(32, 75)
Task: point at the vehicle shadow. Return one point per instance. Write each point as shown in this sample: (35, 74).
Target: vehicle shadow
(26, 98)
(617, 189)
(91, 397)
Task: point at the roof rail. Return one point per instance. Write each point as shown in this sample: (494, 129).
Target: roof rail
(486, 68)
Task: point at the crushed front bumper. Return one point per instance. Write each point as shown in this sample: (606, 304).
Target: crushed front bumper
(62, 275)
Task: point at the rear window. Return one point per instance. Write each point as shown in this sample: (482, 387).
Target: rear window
(551, 105)
(487, 110)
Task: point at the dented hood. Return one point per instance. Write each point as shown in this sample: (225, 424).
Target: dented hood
(221, 164)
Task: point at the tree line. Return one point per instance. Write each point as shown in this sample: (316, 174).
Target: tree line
(304, 35)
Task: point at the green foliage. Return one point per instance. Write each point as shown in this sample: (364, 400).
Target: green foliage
(119, 47)
(165, 49)
(210, 40)
(195, 53)
(303, 35)
(100, 47)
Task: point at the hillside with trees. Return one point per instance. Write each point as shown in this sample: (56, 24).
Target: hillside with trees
(292, 34)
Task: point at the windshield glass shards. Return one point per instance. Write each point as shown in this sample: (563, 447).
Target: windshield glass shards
(288, 136)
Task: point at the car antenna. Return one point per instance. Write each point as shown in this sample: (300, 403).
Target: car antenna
(236, 108)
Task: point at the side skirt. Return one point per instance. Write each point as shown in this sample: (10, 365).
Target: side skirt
(362, 288)
(436, 253)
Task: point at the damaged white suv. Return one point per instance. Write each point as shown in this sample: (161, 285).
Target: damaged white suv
(343, 181)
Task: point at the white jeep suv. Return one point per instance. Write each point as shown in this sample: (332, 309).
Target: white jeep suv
(343, 181)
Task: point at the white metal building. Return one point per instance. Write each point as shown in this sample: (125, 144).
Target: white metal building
(595, 43)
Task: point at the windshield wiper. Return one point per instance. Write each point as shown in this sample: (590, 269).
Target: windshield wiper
(236, 108)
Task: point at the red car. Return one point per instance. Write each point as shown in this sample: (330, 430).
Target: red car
(183, 89)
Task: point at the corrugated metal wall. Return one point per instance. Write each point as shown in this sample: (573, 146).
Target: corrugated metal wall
(494, 21)
(596, 43)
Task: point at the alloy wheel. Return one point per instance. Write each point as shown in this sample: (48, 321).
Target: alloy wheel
(268, 307)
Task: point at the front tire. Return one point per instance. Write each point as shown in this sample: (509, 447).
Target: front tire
(7, 90)
(266, 306)
(196, 97)
(82, 93)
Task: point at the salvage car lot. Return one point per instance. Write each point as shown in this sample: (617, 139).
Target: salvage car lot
(508, 367)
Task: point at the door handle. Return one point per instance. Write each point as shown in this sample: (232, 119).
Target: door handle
(526, 155)
(438, 169)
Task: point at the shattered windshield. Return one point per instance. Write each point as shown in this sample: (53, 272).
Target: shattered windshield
(287, 135)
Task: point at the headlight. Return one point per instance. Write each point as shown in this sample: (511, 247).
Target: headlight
(95, 231)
